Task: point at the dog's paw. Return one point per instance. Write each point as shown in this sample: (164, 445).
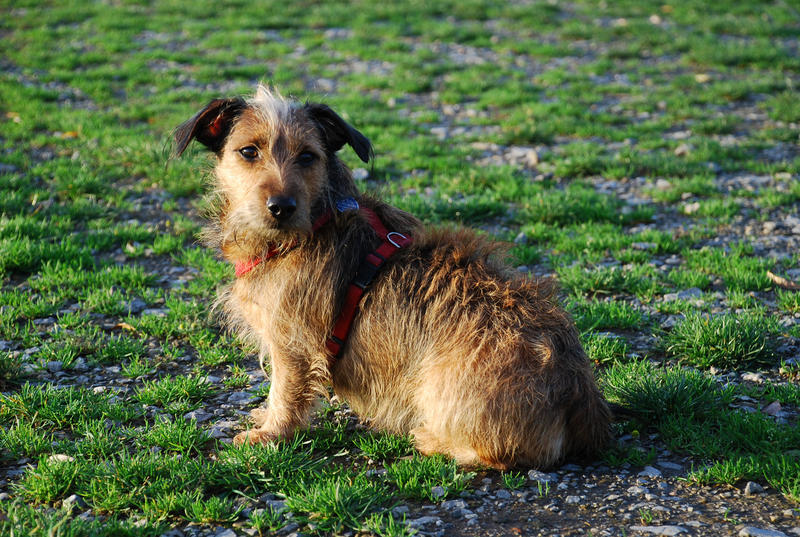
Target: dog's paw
(259, 416)
(253, 436)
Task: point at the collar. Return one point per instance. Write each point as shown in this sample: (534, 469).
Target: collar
(342, 205)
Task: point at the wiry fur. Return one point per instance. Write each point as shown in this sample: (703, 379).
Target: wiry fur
(450, 345)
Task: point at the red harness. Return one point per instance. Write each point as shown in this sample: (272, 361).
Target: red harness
(370, 265)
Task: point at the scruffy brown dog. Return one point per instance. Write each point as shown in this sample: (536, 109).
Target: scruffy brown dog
(448, 344)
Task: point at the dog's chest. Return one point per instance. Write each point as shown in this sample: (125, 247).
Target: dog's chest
(258, 304)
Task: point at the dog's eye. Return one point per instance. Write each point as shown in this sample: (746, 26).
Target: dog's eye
(306, 159)
(249, 153)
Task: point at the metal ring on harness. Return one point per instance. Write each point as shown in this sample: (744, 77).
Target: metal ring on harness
(389, 238)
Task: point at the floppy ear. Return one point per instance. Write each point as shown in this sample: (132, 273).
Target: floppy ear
(337, 132)
(210, 125)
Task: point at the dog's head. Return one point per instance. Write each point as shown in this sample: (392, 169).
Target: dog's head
(276, 164)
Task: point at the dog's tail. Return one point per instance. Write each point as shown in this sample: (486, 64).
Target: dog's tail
(588, 419)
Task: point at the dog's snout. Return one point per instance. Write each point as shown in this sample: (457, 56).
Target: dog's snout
(281, 207)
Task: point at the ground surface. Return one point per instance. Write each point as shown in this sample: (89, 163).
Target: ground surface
(644, 153)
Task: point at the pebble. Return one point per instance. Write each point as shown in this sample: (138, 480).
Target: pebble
(750, 531)
(667, 465)
(636, 490)
(503, 494)
(421, 522)
(660, 530)
(55, 366)
(772, 409)
(752, 488)
(240, 398)
(541, 477)
(753, 377)
(72, 501)
(663, 184)
(60, 457)
(683, 150)
(438, 492)
(649, 471)
(572, 499)
(137, 305)
(198, 415)
(224, 532)
(451, 505)
(276, 505)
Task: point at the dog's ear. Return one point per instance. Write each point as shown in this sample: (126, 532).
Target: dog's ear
(338, 132)
(210, 125)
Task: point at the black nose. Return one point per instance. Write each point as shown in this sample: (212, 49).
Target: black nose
(281, 207)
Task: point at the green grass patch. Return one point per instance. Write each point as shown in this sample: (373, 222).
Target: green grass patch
(726, 341)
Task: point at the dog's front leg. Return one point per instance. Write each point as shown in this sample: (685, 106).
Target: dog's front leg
(291, 396)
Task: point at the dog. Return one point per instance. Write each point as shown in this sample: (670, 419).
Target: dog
(444, 342)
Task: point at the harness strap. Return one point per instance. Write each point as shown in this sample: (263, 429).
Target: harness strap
(370, 265)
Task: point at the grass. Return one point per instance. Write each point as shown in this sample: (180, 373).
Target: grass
(101, 279)
(724, 341)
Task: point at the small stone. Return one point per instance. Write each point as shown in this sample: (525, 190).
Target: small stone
(198, 415)
(644, 246)
(4, 496)
(224, 532)
(683, 150)
(669, 465)
(137, 305)
(572, 499)
(660, 530)
(439, 132)
(541, 477)
(753, 377)
(451, 505)
(692, 292)
(503, 494)
(240, 398)
(74, 500)
(649, 471)
(691, 208)
(60, 457)
(522, 238)
(663, 184)
(752, 488)
(438, 492)
(55, 366)
(750, 531)
(636, 490)
(772, 409)
(276, 505)
(421, 522)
